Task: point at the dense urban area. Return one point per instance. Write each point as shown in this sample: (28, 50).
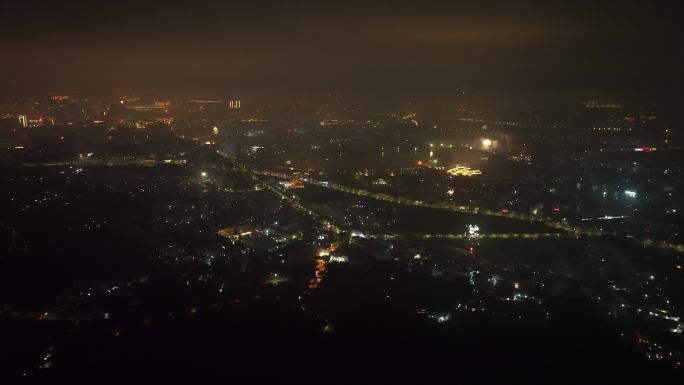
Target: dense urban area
(139, 231)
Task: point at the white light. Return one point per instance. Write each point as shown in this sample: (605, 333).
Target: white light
(341, 259)
(204, 174)
(631, 194)
(486, 142)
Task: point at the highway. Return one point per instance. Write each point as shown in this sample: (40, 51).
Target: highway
(569, 230)
(563, 226)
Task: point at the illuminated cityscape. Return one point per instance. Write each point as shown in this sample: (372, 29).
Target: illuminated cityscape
(251, 192)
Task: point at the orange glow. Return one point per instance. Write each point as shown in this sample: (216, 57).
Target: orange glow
(319, 273)
(296, 184)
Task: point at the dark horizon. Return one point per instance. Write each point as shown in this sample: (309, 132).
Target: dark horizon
(413, 51)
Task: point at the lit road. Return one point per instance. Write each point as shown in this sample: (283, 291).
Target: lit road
(570, 230)
(108, 162)
(481, 236)
(563, 226)
(294, 204)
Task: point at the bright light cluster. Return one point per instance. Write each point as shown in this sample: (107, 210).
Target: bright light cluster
(464, 171)
(473, 230)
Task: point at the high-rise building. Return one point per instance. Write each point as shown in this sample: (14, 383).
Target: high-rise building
(23, 120)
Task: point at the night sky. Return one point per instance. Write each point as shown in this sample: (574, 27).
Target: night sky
(362, 49)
